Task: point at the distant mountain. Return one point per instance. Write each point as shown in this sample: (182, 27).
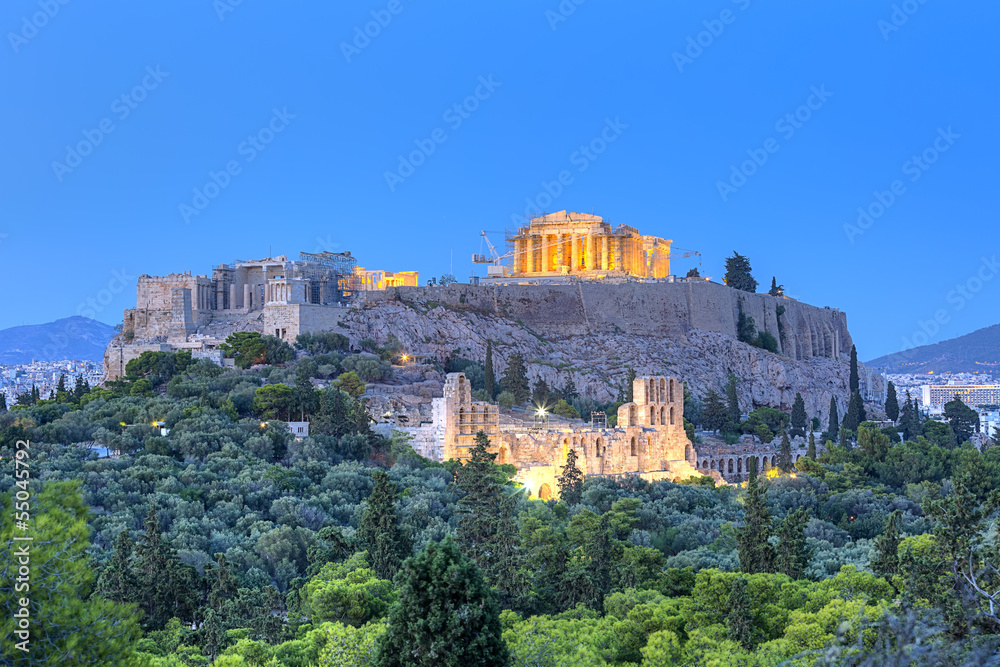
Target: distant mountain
(75, 337)
(977, 351)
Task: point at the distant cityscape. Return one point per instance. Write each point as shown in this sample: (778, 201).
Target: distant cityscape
(44, 376)
(980, 391)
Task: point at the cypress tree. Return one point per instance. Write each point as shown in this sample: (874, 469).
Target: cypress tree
(739, 623)
(571, 480)
(755, 553)
(855, 382)
(862, 414)
(61, 385)
(166, 587)
(798, 416)
(732, 401)
(491, 383)
(714, 414)
(3, 402)
(118, 582)
(792, 553)
(785, 453)
(891, 403)
(811, 452)
(445, 614)
(885, 560)
(222, 584)
(833, 425)
(78, 390)
(629, 393)
(515, 378)
(853, 417)
(379, 532)
(487, 524)
(738, 274)
(906, 419)
(600, 550)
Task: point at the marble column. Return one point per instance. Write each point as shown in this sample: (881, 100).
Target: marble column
(591, 253)
(575, 241)
(529, 254)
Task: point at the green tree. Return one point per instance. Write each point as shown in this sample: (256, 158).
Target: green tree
(853, 417)
(739, 622)
(963, 419)
(784, 457)
(798, 416)
(764, 433)
(445, 615)
(564, 409)
(792, 553)
(487, 524)
(628, 390)
(118, 582)
(885, 557)
(350, 382)
(873, 442)
(891, 403)
(515, 378)
(738, 274)
(909, 419)
(68, 624)
(811, 452)
(570, 481)
(714, 415)
(746, 328)
(833, 421)
(693, 273)
(490, 383)
(855, 380)
(541, 394)
(776, 289)
(755, 552)
(349, 592)
(273, 401)
(732, 401)
(379, 532)
(167, 588)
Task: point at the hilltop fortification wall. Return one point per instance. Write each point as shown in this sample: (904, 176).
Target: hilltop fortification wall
(646, 309)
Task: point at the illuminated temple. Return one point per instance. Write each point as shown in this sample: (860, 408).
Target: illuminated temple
(563, 244)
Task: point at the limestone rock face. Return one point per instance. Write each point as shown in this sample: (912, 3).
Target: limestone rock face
(597, 360)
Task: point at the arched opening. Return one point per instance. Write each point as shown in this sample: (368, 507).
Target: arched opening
(713, 464)
(599, 448)
(704, 464)
(687, 452)
(632, 415)
(633, 447)
(739, 466)
(663, 414)
(545, 492)
(671, 416)
(671, 390)
(652, 416)
(767, 464)
(663, 389)
(730, 466)
(797, 457)
(502, 456)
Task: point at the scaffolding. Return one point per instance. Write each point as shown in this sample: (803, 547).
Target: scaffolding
(340, 263)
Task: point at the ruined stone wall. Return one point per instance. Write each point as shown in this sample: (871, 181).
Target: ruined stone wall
(293, 319)
(649, 309)
(117, 355)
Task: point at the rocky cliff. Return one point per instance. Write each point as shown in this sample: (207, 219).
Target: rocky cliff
(592, 332)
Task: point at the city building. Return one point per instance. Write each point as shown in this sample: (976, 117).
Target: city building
(971, 394)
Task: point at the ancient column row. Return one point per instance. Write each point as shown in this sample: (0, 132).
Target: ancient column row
(587, 252)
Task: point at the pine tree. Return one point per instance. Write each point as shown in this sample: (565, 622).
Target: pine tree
(379, 533)
(714, 414)
(885, 560)
(811, 452)
(798, 416)
(61, 386)
(732, 402)
(629, 389)
(487, 524)
(600, 550)
(570, 392)
(78, 390)
(784, 453)
(755, 553)
(891, 403)
(571, 480)
(491, 383)
(855, 382)
(906, 419)
(738, 273)
(862, 414)
(792, 553)
(541, 393)
(515, 378)
(445, 614)
(833, 422)
(739, 623)
(222, 584)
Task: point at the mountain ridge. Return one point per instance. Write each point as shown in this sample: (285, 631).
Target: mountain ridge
(78, 338)
(975, 351)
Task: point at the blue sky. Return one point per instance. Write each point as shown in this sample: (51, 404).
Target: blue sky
(648, 106)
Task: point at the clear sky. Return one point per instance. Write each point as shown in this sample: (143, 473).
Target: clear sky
(648, 107)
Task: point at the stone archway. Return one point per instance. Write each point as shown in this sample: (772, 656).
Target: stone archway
(545, 492)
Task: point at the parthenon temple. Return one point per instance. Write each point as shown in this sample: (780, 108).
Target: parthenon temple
(561, 243)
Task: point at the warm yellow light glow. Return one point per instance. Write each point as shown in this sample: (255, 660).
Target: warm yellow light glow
(122, 423)
(263, 424)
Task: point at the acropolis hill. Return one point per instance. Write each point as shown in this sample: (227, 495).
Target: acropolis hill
(622, 311)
